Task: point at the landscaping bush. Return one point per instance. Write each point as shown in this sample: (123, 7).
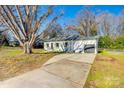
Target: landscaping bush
(119, 42)
(108, 42)
(105, 42)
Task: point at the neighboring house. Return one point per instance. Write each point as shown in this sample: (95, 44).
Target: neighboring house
(72, 44)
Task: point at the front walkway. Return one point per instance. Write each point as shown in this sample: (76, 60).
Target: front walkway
(61, 71)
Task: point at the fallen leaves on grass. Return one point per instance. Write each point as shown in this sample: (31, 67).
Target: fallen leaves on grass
(19, 63)
(106, 72)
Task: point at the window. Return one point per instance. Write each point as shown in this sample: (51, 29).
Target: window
(47, 45)
(66, 44)
(57, 44)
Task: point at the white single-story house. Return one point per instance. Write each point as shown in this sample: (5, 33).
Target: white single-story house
(77, 45)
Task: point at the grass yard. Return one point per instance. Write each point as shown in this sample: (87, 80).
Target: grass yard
(107, 71)
(14, 62)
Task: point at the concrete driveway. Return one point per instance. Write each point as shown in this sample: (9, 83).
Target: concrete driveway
(61, 71)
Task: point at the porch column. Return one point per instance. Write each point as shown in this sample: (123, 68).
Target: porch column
(96, 48)
(83, 48)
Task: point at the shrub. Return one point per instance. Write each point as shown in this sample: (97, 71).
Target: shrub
(107, 42)
(119, 42)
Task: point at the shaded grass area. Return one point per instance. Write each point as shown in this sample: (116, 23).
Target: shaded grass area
(107, 71)
(14, 62)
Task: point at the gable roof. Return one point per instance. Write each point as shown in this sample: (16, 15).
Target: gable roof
(69, 38)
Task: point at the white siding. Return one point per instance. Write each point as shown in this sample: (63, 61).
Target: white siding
(73, 46)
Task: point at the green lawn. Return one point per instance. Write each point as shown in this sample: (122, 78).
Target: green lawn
(107, 71)
(14, 62)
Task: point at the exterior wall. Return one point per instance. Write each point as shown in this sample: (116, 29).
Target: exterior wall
(55, 48)
(72, 46)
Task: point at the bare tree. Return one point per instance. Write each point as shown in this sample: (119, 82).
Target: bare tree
(109, 24)
(87, 22)
(25, 22)
(53, 31)
(121, 23)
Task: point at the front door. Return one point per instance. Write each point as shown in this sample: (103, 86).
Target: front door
(52, 46)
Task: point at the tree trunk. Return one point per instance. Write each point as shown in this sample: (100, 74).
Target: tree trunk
(27, 48)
